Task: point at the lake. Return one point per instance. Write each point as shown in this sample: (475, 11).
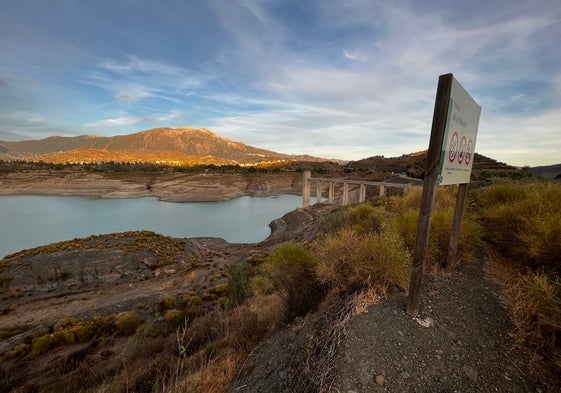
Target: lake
(31, 221)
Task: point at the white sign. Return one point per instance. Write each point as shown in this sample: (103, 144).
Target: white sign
(458, 146)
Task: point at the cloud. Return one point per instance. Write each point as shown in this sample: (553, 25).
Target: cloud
(132, 93)
(137, 79)
(24, 125)
(352, 55)
(116, 121)
(126, 120)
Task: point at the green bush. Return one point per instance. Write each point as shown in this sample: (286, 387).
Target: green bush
(40, 345)
(239, 278)
(291, 270)
(363, 218)
(334, 221)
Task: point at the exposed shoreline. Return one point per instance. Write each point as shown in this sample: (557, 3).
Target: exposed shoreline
(169, 187)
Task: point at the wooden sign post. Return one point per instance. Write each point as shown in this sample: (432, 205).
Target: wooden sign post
(449, 161)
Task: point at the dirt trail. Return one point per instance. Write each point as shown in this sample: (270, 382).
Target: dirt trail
(460, 342)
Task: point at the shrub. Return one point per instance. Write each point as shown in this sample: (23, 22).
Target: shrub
(150, 330)
(523, 222)
(40, 345)
(469, 243)
(175, 318)
(192, 300)
(365, 218)
(291, 270)
(333, 222)
(99, 326)
(126, 323)
(534, 299)
(348, 261)
(444, 197)
(166, 303)
(239, 276)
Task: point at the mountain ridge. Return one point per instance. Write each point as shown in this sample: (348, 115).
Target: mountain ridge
(180, 145)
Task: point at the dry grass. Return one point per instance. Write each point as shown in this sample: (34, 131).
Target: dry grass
(314, 373)
(534, 300)
(523, 225)
(348, 261)
(523, 222)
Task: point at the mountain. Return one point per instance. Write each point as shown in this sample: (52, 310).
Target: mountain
(164, 145)
(414, 165)
(547, 171)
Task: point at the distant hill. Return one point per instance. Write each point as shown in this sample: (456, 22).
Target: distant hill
(548, 171)
(164, 145)
(414, 165)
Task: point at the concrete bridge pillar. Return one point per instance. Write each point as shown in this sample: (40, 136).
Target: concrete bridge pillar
(382, 190)
(345, 194)
(306, 189)
(318, 192)
(331, 196)
(362, 193)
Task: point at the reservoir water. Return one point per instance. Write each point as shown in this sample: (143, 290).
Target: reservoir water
(31, 221)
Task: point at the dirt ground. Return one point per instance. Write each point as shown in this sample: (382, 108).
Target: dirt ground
(460, 342)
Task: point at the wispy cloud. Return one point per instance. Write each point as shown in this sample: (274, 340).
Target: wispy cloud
(352, 55)
(125, 120)
(137, 79)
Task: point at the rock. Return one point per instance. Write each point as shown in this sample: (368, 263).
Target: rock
(380, 380)
(470, 372)
(426, 322)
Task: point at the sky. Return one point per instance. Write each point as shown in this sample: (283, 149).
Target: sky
(345, 79)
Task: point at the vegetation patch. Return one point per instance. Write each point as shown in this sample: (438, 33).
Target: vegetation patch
(523, 225)
(166, 249)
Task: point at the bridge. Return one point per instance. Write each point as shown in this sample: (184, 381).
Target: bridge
(331, 184)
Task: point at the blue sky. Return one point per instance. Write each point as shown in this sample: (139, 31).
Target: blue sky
(344, 79)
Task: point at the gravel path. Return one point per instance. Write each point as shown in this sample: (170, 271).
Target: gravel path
(460, 342)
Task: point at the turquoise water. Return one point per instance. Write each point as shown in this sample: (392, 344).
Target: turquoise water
(31, 221)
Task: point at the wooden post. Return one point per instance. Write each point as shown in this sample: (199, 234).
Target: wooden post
(429, 185)
(306, 189)
(318, 192)
(382, 190)
(362, 193)
(331, 196)
(456, 225)
(345, 194)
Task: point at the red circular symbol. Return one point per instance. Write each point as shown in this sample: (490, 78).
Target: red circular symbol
(453, 148)
(462, 154)
(469, 152)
